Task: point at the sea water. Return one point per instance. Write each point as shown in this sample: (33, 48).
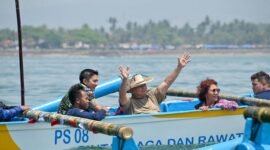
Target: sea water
(48, 77)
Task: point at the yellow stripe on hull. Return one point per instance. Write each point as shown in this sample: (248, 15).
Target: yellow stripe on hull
(200, 114)
(6, 142)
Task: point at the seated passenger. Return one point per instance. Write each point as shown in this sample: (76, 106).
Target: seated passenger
(143, 100)
(8, 112)
(79, 99)
(208, 94)
(261, 85)
(89, 80)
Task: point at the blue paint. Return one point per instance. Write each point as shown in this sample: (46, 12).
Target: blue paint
(63, 136)
(140, 144)
(77, 136)
(85, 136)
(239, 134)
(118, 143)
(190, 140)
(211, 139)
(221, 138)
(158, 143)
(202, 139)
(148, 143)
(232, 137)
(66, 136)
(57, 135)
(82, 136)
(108, 87)
(171, 142)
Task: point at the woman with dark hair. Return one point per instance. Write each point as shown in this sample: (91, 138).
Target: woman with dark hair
(208, 94)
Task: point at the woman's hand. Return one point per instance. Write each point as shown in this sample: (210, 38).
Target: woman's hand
(204, 108)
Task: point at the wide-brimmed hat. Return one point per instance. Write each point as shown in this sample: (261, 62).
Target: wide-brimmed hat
(138, 80)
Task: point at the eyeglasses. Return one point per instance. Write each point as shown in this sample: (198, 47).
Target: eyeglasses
(215, 90)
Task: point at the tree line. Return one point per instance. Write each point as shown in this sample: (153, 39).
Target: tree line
(161, 33)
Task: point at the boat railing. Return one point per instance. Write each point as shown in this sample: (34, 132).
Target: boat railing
(243, 99)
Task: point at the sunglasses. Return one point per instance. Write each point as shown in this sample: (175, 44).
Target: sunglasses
(215, 90)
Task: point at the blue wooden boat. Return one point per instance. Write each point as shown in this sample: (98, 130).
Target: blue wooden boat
(177, 123)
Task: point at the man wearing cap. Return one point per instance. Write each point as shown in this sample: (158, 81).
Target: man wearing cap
(143, 100)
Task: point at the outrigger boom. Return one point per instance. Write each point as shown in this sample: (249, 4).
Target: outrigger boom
(240, 99)
(86, 124)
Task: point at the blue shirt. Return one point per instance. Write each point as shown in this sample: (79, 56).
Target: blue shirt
(263, 95)
(7, 114)
(99, 115)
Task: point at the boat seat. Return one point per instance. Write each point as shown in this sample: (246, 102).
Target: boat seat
(114, 111)
(169, 106)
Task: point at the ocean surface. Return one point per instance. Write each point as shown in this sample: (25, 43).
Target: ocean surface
(48, 77)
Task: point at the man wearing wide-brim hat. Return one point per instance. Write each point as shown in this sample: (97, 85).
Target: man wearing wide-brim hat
(143, 100)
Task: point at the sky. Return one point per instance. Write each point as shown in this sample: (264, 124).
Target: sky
(95, 13)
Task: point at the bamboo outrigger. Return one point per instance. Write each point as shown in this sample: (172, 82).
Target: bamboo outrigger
(260, 114)
(240, 99)
(86, 124)
(256, 133)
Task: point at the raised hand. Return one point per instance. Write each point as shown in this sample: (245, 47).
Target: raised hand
(185, 59)
(124, 72)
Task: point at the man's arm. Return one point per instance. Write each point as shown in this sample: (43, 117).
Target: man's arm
(6, 114)
(85, 114)
(98, 107)
(123, 99)
(164, 86)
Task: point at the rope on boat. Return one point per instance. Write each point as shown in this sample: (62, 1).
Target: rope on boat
(262, 114)
(241, 99)
(86, 124)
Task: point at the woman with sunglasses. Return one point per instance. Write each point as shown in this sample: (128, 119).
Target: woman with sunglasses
(208, 94)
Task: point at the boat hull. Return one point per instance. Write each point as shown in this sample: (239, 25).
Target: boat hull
(186, 127)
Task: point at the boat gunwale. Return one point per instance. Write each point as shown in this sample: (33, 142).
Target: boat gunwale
(160, 115)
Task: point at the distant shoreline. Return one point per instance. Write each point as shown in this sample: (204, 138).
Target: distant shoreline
(134, 53)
